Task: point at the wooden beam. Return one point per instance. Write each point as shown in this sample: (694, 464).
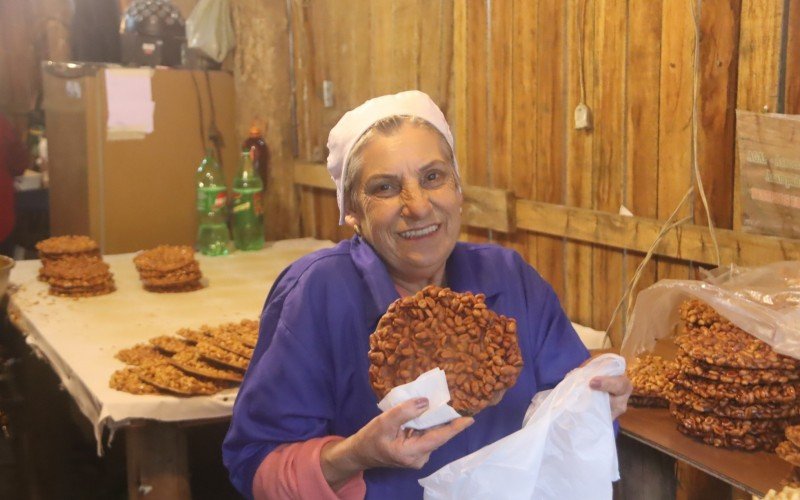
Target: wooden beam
(485, 208)
(496, 209)
(687, 242)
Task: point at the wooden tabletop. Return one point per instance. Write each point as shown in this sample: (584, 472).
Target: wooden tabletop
(756, 472)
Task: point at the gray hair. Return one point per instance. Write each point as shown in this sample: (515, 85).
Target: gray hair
(386, 127)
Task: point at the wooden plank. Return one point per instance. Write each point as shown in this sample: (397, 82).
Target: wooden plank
(791, 97)
(550, 132)
(608, 147)
(675, 125)
(523, 121)
(719, 44)
(642, 120)
(686, 243)
(156, 462)
(489, 208)
(579, 293)
(461, 68)
(644, 472)
(759, 68)
(383, 41)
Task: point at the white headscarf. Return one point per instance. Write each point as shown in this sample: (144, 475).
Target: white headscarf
(354, 123)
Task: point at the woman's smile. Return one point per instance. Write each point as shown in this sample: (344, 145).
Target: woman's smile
(418, 234)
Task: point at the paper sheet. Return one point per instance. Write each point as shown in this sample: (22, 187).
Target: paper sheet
(130, 103)
(432, 385)
(79, 337)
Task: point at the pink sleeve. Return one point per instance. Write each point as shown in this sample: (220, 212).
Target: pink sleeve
(294, 471)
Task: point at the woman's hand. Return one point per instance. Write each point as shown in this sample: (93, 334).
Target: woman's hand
(619, 388)
(383, 443)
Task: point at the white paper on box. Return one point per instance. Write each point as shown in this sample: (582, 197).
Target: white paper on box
(130, 103)
(432, 385)
(565, 451)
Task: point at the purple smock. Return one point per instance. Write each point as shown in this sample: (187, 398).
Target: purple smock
(308, 376)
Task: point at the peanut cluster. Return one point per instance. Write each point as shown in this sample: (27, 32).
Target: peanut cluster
(436, 327)
(650, 376)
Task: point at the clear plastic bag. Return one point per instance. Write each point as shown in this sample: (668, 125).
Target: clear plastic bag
(566, 449)
(209, 29)
(763, 301)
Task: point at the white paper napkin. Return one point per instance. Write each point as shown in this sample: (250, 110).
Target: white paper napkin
(432, 385)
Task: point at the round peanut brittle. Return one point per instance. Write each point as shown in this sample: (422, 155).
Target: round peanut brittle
(789, 452)
(140, 354)
(172, 379)
(82, 292)
(651, 376)
(185, 287)
(436, 327)
(66, 244)
(724, 344)
(704, 422)
(164, 258)
(169, 344)
(647, 402)
(127, 380)
(731, 409)
(743, 395)
(793, 434)
(190, 361)
(731, 375)
(749, 442)
(75, 268)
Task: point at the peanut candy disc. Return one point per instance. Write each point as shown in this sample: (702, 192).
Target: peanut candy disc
(651, 378)
(728, 426)
(749, 442)
(743, 395)
(793, 434)
(70, 244)
(140, 354)
(732, 409)
(164, 258)
(436, 327)
(730, 375)
(169, 344)
(127, 380)
(789, 452)
(172, 379)
(190, 361)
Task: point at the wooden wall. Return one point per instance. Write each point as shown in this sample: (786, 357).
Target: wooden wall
(508, 75)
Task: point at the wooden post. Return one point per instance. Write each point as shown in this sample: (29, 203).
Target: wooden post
(644, 472)
(156, 462)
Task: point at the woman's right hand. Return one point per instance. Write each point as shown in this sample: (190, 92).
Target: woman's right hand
(383, 443)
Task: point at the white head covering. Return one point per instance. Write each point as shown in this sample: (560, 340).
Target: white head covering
(354, 123)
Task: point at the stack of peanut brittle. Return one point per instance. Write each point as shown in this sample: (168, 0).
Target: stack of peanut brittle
(73, 267)
(168, 269)
(196, 362)
(732, 390)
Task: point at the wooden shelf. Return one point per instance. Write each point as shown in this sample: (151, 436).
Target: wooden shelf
(756, 473)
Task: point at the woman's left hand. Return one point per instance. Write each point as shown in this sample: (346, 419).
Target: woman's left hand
(619, 389)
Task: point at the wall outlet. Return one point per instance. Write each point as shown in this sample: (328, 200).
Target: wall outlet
(583, 117)
(327, 93)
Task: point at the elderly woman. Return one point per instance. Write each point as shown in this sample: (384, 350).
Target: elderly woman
(306, 422)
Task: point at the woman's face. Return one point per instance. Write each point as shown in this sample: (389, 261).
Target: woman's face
(408, 205)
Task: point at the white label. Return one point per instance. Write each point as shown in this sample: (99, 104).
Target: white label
(73, 89)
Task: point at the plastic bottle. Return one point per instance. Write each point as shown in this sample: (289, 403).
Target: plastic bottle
(213, 237)
(248, 211)
(261, 157)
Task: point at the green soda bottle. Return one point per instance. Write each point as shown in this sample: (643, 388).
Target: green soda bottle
(213, 237)
(248, 211)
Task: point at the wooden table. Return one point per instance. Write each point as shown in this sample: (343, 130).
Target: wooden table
(756, 473)
(79, 337)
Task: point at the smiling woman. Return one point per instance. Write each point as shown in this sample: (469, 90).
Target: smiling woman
(306, 422)
(406, 202)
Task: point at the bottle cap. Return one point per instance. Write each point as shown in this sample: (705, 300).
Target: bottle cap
(255, 131)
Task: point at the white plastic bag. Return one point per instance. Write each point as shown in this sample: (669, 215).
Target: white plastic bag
(209, 29)
(565, 451)
(763, 301)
